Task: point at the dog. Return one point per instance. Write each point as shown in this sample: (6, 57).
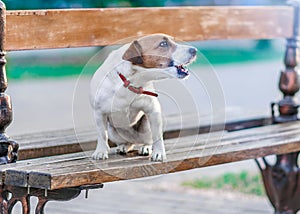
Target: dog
(126, 109)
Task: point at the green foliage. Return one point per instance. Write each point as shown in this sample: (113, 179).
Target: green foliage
(239, 182)
(31, 71)
(224, 56)
(48, 65)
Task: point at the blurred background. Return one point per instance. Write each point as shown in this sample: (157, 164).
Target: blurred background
(42, 85)
(236, 63)
(67, 63)
(54, 4)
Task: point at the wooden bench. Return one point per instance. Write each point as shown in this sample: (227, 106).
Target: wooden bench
(53, 166)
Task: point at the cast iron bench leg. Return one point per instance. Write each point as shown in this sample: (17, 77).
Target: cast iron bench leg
(8, 147)
(282, 180)
(12, 194)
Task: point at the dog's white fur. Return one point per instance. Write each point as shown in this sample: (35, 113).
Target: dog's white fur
(127, 118)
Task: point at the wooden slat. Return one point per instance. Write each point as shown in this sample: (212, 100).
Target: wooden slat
(40, 29)
(77, 169)
(143, 168)
(183, 145)
(45, 144)
(177, 162)
(51, 143)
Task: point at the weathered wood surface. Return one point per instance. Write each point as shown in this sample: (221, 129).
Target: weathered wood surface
(40, 29)
(183, 153)
(51, 143)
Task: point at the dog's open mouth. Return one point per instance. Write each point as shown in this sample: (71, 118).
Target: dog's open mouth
(182, 71)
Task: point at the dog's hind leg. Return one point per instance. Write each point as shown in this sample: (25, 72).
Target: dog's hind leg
(143, 129)
(140, 133)
(115, 135)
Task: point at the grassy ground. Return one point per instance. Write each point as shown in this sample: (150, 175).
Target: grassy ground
(243, 182)
(72, 62)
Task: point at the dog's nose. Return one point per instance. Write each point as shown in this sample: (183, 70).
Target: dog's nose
(193, 51)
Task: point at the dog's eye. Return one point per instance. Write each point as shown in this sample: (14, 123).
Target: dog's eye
(163, 44)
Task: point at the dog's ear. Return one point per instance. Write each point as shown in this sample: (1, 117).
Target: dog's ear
(134, 53)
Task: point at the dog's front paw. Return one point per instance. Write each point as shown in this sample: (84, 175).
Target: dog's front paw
(158, 151)
(158, 156)
(145, 150)
(100, 155)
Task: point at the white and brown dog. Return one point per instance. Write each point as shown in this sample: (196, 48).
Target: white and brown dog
(125, 112)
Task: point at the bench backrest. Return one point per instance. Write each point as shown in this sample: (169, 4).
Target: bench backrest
(40, 29)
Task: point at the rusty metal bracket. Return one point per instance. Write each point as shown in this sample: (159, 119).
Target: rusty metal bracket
(10, 195)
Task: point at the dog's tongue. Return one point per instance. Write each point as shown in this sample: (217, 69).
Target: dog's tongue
(182, 70)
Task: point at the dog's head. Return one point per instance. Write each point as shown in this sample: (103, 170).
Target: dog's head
(161, 52)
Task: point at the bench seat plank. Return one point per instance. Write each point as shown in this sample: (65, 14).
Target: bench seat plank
(54, 142)
(183, 153)
(51, 143)
(73, 28)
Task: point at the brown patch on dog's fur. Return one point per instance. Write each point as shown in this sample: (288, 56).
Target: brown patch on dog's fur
(148, 52)
(134, 53)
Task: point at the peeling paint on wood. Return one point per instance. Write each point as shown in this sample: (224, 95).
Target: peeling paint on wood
(27, 13)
